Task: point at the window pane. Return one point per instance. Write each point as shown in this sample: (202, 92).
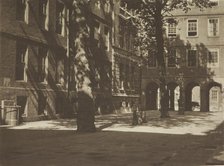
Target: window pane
(59, 17)
(172, 58)
(21, 52)
(213, 27)
(21, 8)
(192, 27)
(192, 61)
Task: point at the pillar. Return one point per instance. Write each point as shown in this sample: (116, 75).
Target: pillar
(171, 98)
(158, 98)
(204, 99)
(181, 101)
(188, 99)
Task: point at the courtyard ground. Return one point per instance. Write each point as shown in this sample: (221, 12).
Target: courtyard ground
(194, 139)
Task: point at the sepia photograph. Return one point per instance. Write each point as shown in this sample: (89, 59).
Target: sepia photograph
(111, 82)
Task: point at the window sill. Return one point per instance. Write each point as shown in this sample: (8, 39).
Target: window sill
(60, 35)
(213, 36)
(212, 67)
(21, 81)
(192, 36)
(193, 67)
(43, 83)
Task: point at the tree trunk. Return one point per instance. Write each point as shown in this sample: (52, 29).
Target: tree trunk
(80, 34)
(161, 61)
(85, 113)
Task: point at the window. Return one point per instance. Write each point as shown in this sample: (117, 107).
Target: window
(107, 6)
(121, 75)
(106, 37)
(213, 27)
(213, 58)
(191, 58)
(60, 71)
(192, 28)
(60, 18)
(43, 64)
(172, 58)
(21, 61)
(44, 15)
(127, 83)
(121, 32)
(133, 77)
(22, 10)
(96, 30)
(172, 30)
(214, 95)
(97, 4)
(214, 2)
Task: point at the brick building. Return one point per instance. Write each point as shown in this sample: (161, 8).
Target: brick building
(125, 59)
(194, 61)
(34, 61)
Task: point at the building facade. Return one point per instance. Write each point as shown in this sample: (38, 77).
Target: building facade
(125, 59)
(194, 62)
(35, 66)
(34, 60)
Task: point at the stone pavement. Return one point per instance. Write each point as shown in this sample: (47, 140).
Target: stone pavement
(193, 139)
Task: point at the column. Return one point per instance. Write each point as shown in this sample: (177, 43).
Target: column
(171, 97)
(181, 101)
(204, 99)
(158, 98)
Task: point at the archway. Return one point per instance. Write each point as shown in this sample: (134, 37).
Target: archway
(211, 98)
(192, 98)
(152, 96)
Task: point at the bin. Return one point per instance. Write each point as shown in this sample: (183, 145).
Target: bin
(11, 115)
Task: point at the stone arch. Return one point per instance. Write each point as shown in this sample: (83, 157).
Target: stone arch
(206, 97)
(191, 94)
(151, 96)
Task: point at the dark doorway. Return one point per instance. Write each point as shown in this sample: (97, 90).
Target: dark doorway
(152, 96)
(22, 102)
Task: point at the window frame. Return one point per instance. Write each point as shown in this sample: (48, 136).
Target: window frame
(171, 35)
(60, 15)
(60, 80)
(168, 57)
(42, 70)
(196, 57)
(213, 31)
(44, 21)
(216, 64)
(214, 92)
(197, 32)
(24, 17)
(107, 37)
(214, 1)
(23, 61)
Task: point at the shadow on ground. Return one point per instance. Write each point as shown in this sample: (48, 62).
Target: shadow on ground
(61, 147)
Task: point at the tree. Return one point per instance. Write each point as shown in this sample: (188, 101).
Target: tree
(152, 15)
(79, 35)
